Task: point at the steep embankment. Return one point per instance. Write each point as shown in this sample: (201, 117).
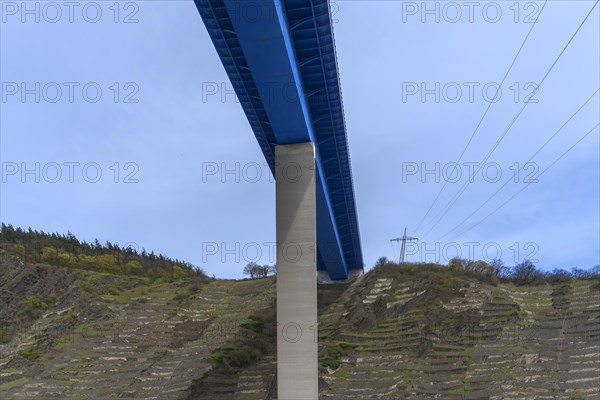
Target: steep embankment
(416, 332)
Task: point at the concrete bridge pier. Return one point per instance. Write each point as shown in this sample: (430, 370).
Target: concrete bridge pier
(297, 359)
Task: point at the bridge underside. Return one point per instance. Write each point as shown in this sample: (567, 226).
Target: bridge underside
(280, 58)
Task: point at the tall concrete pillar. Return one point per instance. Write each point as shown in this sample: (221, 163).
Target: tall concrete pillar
(297, 360)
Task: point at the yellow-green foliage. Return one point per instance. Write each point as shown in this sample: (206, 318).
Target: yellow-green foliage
(20, 250)
(33, 305)
(179, 273)
(106, 263)
(111, 263)
(67, 259)
(34, 302)
(67, 251)
(134, 267)
(52, 255)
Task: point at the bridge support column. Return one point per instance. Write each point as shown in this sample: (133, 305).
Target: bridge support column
(297, 359)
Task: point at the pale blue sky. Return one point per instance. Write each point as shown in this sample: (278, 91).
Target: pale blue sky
(177, 129)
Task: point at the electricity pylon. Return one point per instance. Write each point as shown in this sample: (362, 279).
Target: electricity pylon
(403, 239)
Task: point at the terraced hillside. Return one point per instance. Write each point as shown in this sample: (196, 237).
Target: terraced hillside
(109, 336)
(410, 332)
(431, 334)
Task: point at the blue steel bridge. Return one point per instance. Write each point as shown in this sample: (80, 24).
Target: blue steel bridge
(281, 60)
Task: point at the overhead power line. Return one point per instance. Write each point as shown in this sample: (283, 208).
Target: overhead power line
(523, 165)
(526, 186)
(485, 113)
(440, 216)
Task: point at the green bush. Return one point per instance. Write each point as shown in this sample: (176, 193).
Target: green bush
(255, 324)
(30, 353)
(253, 341)
(219, 354)
(332, 354)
